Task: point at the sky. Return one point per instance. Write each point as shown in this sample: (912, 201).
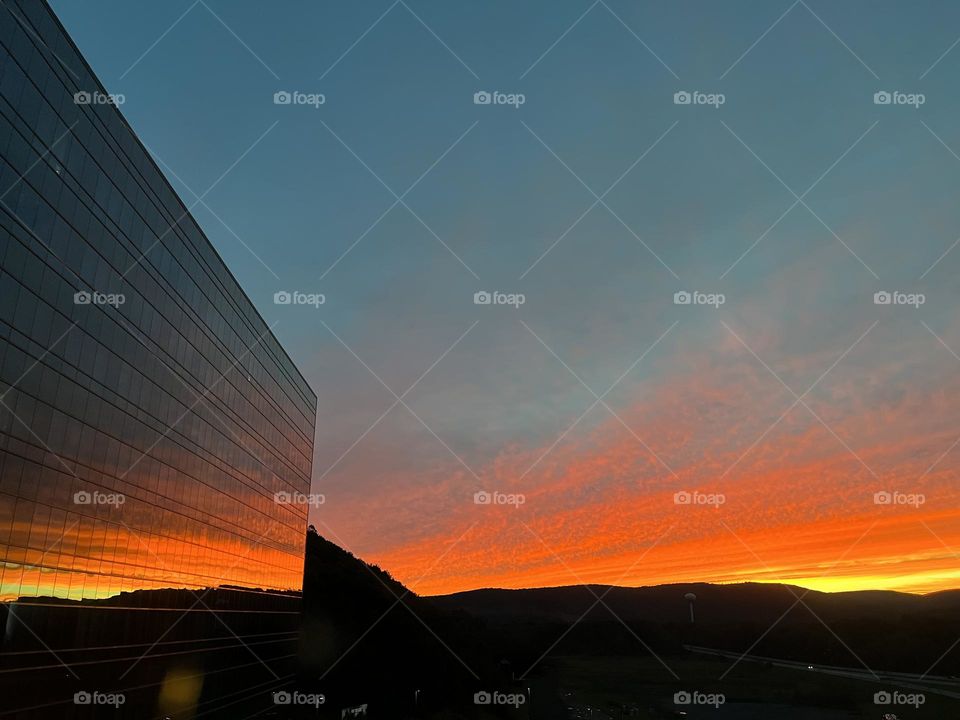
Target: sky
(783, 426)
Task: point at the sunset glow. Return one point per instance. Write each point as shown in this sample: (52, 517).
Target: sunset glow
(798, 506)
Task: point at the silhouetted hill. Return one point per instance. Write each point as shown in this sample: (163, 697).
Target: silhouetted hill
(885, 629)
(366, 636)
(743, 602)
(330, 566)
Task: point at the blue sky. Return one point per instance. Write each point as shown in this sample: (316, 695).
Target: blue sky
(501, 207)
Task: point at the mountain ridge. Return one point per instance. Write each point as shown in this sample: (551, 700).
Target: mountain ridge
(730, 602)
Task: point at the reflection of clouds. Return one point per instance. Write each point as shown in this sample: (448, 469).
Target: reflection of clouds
(180, 521)
(798, 498)
(95, 557)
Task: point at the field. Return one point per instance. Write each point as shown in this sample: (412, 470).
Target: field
(599, 688)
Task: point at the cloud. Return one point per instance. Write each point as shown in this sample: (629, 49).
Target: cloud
(798, 491)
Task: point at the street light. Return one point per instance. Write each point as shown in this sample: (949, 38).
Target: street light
(691, 598)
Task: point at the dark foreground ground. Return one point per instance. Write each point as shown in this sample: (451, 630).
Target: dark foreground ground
(641, 687)
(594, 688)
(359, 644)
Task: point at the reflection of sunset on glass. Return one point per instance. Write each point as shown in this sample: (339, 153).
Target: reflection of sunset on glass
(99, 564)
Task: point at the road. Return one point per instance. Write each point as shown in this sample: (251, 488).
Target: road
(933, 684)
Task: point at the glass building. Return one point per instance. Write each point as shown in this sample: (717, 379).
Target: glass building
(153, 432)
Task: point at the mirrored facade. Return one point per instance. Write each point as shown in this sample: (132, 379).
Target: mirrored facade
(153, 432)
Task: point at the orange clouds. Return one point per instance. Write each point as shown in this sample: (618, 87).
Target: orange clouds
(798, 480)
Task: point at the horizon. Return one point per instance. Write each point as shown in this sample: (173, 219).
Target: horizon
(807, 417)
(688, 584)
(656, 585)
